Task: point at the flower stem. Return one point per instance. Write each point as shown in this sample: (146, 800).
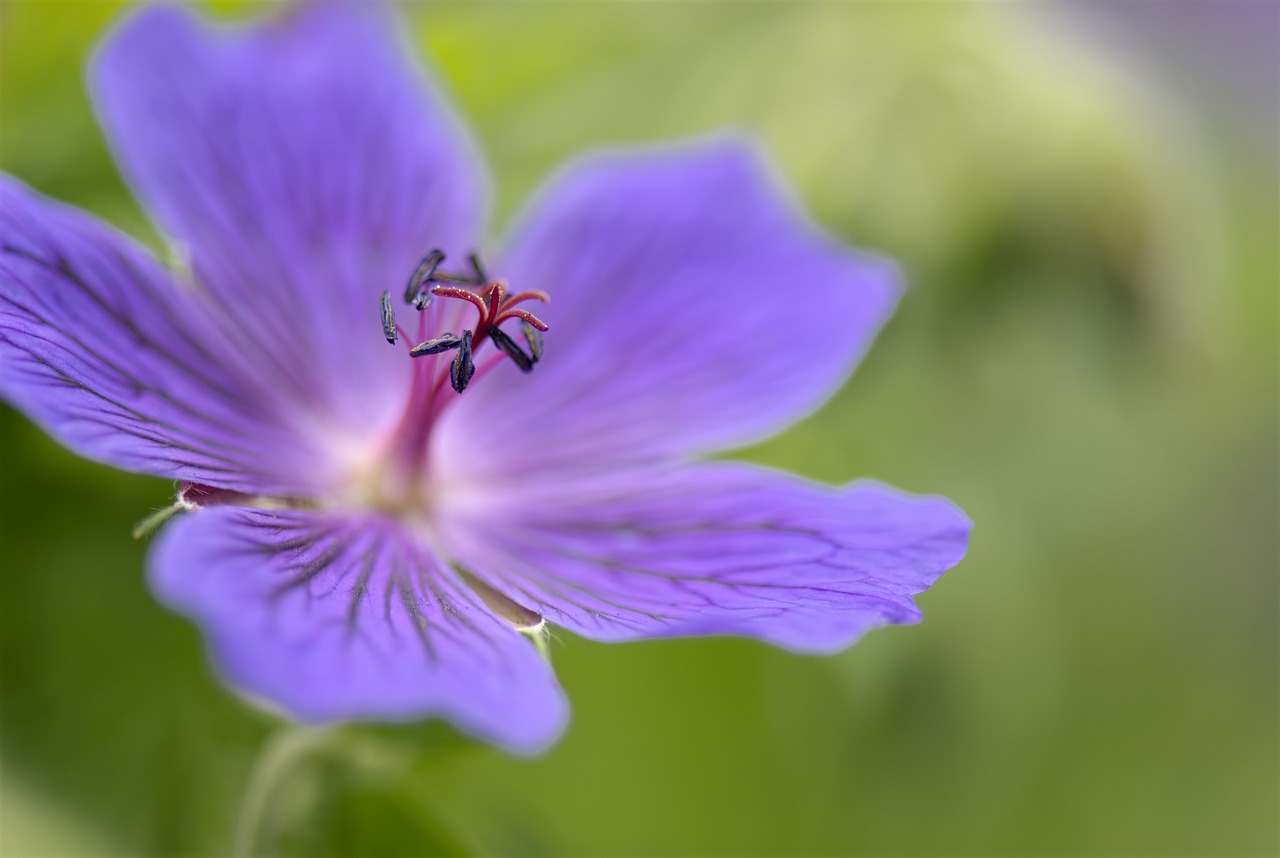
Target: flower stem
(279, 755)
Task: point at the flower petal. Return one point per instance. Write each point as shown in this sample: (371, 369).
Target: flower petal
(305, 166)
(101, 348)
(718, 548)
(336, 617)
(693, 308)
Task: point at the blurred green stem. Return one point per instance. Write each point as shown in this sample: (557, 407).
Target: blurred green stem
(281, 753)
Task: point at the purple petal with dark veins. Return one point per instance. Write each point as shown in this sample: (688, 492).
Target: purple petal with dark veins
(718, 548)
(120, 363)
(693, 308)
(339, 617)
(306, 166)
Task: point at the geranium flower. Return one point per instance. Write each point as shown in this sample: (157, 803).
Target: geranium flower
(377, 531)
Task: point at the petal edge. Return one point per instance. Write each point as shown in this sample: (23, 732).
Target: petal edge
(719, 548)
(694, 308)
(349, 617)
(117, 361)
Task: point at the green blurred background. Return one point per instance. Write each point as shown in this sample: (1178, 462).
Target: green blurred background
(1084, 198)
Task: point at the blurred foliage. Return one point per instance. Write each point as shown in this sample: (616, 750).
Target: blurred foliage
(1086, 363)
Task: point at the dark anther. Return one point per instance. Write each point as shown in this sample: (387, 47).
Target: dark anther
(442, 343)
(509, 347)
(424, 296)
(388, 319)
(417, 285)
(462, 368)
(533, 337)
(477, 277)
(477, 269)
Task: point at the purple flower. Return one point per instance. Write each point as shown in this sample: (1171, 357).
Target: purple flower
(372, 534)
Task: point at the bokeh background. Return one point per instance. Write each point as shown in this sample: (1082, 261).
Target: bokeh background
(1084, 197)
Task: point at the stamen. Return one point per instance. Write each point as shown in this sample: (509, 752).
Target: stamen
(477, 269)
(388, 319)
(442, 343)
(477, 277)
(417, 280)
(462, 367)
(493, 306)
(509, 347)
(533, 337)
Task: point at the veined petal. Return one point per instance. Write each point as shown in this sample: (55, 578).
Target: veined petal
(694, 308)
(718, 548)
(120, 363)
(337, 617)
(305, 166)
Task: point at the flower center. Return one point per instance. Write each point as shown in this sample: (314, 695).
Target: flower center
(428, 394)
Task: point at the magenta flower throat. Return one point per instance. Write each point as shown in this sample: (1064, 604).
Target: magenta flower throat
(400, 455)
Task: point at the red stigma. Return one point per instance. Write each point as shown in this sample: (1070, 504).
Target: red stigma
(494, 306)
